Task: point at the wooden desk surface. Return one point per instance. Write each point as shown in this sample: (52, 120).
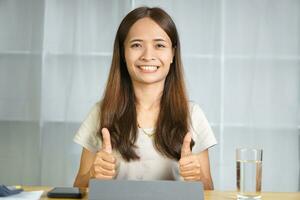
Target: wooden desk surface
(209, 195)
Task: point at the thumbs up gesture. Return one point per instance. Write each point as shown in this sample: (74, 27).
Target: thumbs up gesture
(189, 164)
(104, 166)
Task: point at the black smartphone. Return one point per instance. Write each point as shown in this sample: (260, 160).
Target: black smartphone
(65, 192)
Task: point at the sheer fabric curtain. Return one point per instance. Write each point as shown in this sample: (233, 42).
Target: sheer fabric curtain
(241, 62)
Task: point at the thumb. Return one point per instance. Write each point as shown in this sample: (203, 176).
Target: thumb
(106, 146)
(186, 149)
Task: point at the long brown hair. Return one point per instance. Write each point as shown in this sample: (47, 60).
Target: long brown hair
(118, 106)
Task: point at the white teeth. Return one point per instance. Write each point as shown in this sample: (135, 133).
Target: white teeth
(149, 68)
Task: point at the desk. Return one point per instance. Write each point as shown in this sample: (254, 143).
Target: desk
(209, 195)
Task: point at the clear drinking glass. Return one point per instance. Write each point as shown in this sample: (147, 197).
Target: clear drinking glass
(248, 173)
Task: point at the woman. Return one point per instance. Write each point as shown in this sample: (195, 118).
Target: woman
(144, 128)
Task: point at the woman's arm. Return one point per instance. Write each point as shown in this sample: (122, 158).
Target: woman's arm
(100, 165)
(205, 170)
(195, 167)
(86, 162)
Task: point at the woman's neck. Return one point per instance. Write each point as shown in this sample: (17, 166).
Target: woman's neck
(148, 96)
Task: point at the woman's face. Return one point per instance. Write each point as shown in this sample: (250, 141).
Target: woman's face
(148, 52)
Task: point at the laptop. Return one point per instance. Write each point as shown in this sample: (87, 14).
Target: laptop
(144, 190)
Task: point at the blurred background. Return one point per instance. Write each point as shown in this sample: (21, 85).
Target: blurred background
(242, 65)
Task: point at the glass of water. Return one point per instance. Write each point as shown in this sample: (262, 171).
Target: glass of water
(248, 173)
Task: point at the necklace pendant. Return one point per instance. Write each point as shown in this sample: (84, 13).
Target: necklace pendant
(149, 134)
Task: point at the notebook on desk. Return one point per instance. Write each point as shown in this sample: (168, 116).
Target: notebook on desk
(145, 190)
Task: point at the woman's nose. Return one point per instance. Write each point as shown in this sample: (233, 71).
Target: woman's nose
(148, 54)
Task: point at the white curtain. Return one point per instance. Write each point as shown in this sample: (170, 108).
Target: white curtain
(242, 65)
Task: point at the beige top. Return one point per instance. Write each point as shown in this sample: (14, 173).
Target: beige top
(152, 165)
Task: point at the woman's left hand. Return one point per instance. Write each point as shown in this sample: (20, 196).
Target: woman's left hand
(189, 164)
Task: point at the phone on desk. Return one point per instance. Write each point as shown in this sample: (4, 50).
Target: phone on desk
(65, 192)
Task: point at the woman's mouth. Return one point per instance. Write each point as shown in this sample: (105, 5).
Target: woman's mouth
(148, 68)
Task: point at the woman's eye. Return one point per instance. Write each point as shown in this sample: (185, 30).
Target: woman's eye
(160, 46)
(135, 45)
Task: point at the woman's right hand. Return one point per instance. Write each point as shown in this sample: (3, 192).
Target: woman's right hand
(105, 164)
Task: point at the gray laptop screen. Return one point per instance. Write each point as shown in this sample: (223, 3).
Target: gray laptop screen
(144, 190)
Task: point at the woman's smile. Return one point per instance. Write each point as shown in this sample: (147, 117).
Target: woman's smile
(148, 68)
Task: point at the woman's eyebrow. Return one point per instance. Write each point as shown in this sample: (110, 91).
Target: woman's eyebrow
(159, 40)
(135, 40)
(140, 40)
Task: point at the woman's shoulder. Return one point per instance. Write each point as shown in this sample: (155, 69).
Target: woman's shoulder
(195, 108)
(197, 115)
(95, 109)
(93, 116)
(86, 135)
(97, 105)
(201, 131)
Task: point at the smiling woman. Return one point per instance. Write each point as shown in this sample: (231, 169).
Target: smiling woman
(144, 127)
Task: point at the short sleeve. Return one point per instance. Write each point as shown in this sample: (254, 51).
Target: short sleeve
(202, 133)
(86, 135)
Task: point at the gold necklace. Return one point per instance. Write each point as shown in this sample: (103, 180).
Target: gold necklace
(150, 135)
